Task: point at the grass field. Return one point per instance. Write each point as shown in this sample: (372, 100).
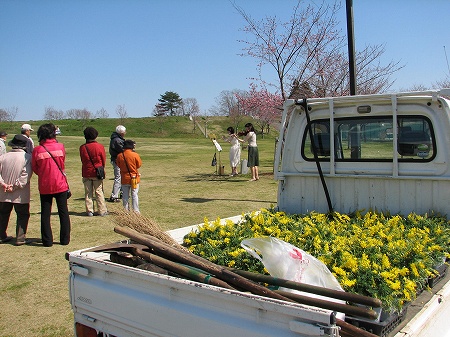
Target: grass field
(179, 187)
(155, 127)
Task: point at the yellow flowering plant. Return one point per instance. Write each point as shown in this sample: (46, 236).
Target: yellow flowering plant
(373, 254)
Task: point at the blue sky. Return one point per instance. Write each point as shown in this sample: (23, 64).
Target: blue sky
(97, 54)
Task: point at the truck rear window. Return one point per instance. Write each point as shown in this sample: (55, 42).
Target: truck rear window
(371, 138)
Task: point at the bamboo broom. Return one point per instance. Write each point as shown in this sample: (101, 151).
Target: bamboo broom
(145, 226)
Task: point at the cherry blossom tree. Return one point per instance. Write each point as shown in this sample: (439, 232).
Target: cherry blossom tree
(261, 105)
(310, 48)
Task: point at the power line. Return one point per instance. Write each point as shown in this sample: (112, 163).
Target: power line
(448, 67)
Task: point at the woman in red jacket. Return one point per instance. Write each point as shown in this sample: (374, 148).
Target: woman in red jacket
(47, 162)
(92, 156)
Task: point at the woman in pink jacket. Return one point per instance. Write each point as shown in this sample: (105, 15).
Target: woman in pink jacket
(47, 162)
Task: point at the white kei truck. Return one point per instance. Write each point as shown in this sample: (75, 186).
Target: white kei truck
(385, 152)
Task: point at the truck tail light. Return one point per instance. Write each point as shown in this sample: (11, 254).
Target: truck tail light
(84, 331)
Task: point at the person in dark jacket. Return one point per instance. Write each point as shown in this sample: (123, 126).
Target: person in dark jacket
(92, 155)
(115, 148)
(47, 161)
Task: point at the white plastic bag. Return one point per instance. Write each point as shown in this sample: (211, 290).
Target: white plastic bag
(286, 261)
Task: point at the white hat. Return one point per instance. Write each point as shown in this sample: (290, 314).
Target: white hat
(26, 127)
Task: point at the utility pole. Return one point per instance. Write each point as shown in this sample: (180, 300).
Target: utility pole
(351, 47)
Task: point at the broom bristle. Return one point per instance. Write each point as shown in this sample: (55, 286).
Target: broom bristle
(144, 225)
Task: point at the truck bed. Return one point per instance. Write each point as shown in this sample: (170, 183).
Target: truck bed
(125, 301)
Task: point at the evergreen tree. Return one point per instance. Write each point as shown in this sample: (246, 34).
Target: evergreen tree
(170, 101)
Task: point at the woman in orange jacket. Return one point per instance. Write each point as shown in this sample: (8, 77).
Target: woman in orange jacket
(129, 162)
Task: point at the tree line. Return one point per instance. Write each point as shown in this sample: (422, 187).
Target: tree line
(8, 114)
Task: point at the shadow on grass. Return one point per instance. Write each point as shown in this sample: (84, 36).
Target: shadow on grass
(231, 179)
(33, 242)
(203, 200)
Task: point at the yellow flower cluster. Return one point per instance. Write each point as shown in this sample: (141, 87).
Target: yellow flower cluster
(373, 254)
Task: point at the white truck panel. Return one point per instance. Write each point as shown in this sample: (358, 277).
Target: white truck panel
(350, 193)
(395, 185)
(433, 319)
(125, 301)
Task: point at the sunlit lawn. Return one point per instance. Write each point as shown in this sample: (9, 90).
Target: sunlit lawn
(179, 187)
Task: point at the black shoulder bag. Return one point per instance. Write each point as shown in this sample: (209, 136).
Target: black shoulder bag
(69, 194)
(99, 170)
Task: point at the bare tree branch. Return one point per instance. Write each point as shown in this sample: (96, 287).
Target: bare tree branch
(311, 49)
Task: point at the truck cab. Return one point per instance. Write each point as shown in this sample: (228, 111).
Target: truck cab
(387, 152)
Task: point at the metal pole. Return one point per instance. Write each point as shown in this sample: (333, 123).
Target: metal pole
(447, 60)
(351, 47)
(304, 104)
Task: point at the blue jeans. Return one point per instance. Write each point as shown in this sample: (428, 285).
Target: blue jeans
(134, 197)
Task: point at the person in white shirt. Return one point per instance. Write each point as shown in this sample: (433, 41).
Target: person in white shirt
(3, 135)
(26, 131)
(253, 155)
(235, 150)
